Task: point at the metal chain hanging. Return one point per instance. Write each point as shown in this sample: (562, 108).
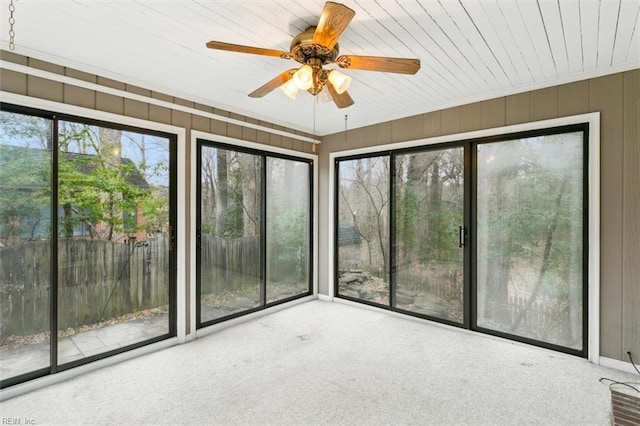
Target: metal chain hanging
(12, 21)
(313, 146)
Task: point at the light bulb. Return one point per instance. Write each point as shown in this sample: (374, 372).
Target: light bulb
(290, 88)
(304, 77)
(339, 81)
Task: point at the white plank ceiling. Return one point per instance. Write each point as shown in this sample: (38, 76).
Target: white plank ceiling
(470, 50)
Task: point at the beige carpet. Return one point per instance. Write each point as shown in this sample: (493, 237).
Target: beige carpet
(329, 363)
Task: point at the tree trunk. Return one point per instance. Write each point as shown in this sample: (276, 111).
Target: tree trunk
(222, 193)
(545, 257)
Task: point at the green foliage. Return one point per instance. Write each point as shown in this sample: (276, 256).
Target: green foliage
(96, 187)
(289, 229)
(24, 195)
(288, 233)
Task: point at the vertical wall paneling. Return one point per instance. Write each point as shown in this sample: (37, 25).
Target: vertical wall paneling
(158, 113)
(605, 95)
(383, 133)
(432, 124)
(358, 137)
(275, 140)
(287, 143)
(518, 108)
(493, 113)
(261, 136)
(80, 75)
(79, 96)
(235, 130)
(201, 123)
(11, 81)
(470, 117)
(249, 134)
(450, 121)
(351, 140)
(414, 127)
(136, 109)
(219, 127)
(573, 98)
(45, 89)
(631, 217)
(399, 130)
(46, 66)
(544, 104)
(109, 103)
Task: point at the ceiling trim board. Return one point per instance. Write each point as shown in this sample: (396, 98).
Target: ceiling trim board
(147, 99)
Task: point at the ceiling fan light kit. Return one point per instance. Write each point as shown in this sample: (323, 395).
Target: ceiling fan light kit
(318, 46)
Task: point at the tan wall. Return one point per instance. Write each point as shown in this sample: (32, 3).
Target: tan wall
(28, 85)
(617, 98)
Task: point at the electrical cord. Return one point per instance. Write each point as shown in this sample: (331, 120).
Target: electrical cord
(633, 385)
(633, 363)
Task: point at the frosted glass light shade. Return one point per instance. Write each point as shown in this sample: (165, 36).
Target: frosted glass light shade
(290, 88)
(303, 77)
(324, 96)
(339, 81)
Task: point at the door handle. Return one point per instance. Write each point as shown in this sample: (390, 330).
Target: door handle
(462, 236)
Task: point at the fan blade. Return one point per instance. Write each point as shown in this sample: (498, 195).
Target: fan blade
(334, 20)
(379, 63)
(341, 100)
(219, 45)
(273, 84)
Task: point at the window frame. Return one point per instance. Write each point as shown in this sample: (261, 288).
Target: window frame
(57, 112)
(200, 139)
(589, 123)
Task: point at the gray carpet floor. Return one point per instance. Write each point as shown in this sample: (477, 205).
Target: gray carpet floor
(330, 363)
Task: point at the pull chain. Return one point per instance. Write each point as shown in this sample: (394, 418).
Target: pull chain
(345, 129)
(313, 146)
(12, 21)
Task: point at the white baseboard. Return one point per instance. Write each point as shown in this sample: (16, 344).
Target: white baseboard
(51, 379)
(627, 367)
(248, 317)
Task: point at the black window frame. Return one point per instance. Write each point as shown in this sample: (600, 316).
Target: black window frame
(55, 118)
(263, 154)
(470, 227)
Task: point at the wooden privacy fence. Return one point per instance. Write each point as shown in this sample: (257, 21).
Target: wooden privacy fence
(97, 280)
(228, 263)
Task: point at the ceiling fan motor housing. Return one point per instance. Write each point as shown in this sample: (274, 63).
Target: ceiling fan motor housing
(303, 49)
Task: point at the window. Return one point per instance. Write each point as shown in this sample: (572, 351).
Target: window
(253, 230)
(488, 234)
(86, 242)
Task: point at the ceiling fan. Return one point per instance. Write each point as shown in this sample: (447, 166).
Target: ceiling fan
(318, 46)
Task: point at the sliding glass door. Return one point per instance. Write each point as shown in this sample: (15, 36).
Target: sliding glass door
(25, 244)
(230, 232)
(288, 223)
(87, 259)
(362, 249)
(488, 234)
(529, 238)
(114, 239)
(429, 233)
(253, 230)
